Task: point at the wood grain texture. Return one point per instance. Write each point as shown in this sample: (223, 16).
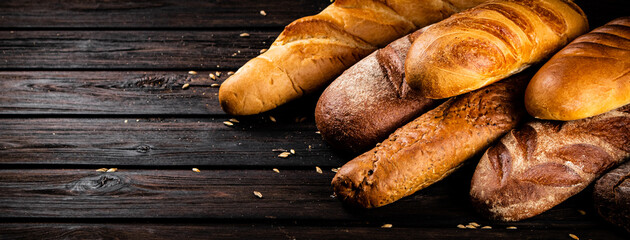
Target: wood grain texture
(161, 142)
(154, 14)
(142, 50)
(278, 231)
(228, 194)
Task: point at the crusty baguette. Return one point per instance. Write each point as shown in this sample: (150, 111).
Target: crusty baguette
(612, 196)
(589, 76)
(370, 100)
(432, 146)
(312, 51)
(489, 42)
(543, 163)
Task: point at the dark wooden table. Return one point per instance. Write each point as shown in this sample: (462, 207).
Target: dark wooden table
(90, 84)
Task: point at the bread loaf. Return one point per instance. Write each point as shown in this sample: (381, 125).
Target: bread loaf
(590, 76)
(543, 163)
(612, 196)
(489, 42)
(432, 146)
(312, 51)
(370, 100)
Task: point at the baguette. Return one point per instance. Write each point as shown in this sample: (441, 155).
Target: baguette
(590, 76)
(432, 146)
(313, 50)
(612, 196)
(543, 163)
(370, 100)
(489, 42)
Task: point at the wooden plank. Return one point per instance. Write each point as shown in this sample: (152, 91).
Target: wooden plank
(108, 92)
(228, 194)
(140, 50)
(154, 14)
(162, 142)
(280, 231)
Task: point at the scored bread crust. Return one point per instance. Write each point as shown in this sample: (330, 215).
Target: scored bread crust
(543, 163)
(589, 76)
(311, 51)
(489, 42)
(370, 100)
(432, 146)
(611, 196)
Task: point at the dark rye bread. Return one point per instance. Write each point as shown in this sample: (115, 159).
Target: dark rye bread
(370, 100)
(542, 163)
(612, 196)
(433, 145)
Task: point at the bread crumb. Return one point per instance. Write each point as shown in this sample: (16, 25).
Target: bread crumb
(258, 194)
(573, 236)
(262, 12)
(185, 86)
(195, 169)
(387, 225)
(244, 35)
(334, 170)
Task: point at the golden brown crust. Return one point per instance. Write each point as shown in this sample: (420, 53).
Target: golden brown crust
(589, 76)
(313, 50)
(370, 100)
(432, 146)
(543, 163)
(489, 42)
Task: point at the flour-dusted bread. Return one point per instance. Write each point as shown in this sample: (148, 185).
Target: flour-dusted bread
(313, 50)
(543, 163)
(370, 100)
(489, 42)
(432, 146)
(589, 76)
(612, 196)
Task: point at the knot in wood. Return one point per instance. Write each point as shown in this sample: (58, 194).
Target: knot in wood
(143, 148)
(95, 185)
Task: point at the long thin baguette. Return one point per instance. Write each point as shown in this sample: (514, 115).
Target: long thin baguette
(313, 50)
(543, 163)
(489, 42)
(432, 146)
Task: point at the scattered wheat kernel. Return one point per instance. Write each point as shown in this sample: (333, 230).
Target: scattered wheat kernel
(475, 224)
(276, 170)
(215, 85)
(278, 150)
(244, 35)
(470, 226)
(573, 236)
(258, 194)
(387, 225)
(195, 169)
(192, 72)
(185, 86)
(262, 12)
(461, 226)
(137, 120)
(582, 211)
(334, 169)
(212, 76)
(101, 170)
(234, 120)
(217, 73)
(511, 227)
(292, 151)
(318, 132)
(273, 119)
(227, 123)
(230, 73)
(112, 169)
(486, 227)
(263, 50)
(318, 170)
(126, 121)
(234, 54)
(284, 154)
